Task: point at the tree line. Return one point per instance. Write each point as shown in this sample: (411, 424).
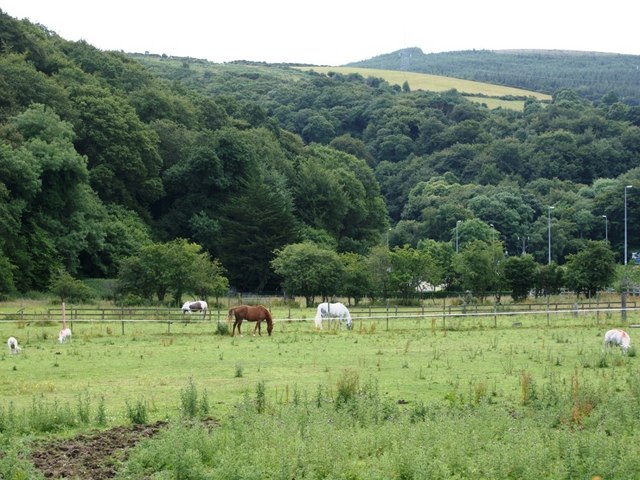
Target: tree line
(479, 268)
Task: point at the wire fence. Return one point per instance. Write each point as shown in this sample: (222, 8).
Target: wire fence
(434, 316)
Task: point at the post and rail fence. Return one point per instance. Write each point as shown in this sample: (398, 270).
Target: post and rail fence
(450, 315)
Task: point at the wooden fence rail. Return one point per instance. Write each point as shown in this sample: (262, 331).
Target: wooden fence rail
(447, 314)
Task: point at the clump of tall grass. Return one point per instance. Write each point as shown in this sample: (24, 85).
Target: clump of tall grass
(101, 413)
(261, 399)
(84, 409)
(137, 413)
(527, 388)
(347, 387)
(49, 417)
(192, 404)
(222, 328)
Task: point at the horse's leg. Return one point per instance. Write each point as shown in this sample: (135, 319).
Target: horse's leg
(257, 327)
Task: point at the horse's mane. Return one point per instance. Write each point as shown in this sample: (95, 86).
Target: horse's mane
(267, 313)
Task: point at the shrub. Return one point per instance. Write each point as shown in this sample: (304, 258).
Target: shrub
(189, 400)
(222, 329)
(347, 387)
(137, 413)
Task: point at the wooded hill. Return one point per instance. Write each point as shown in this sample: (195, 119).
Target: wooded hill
(102, 152)
(590, 74)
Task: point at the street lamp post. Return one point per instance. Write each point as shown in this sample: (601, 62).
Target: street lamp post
(457, 238)
(524, 244)
(493, 232)
(549, 223)
(606, 229)
(625, 222)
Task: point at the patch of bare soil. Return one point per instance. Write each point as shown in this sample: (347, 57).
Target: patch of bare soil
(91, 457)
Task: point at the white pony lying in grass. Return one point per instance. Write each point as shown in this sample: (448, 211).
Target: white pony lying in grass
(12, 343)
(617, 338)
(64, 335)
(333, 310)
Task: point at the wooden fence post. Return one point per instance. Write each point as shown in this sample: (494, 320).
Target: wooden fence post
(548, 310)
(387, 316)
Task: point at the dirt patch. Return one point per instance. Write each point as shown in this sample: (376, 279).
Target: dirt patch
(91, 457)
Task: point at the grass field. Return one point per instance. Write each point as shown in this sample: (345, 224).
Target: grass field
(490, 94)
(411, 359)
(481, 396)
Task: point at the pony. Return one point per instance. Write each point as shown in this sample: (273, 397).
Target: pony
(617, 337)
(197, 306)
(64, 335)
(12, 343)
(250, 314)
(333, 310)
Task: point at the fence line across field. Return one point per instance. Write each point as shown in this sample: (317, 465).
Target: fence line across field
(169, 316)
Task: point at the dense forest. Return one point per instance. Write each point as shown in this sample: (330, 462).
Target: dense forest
(590, 74)
(102, 153)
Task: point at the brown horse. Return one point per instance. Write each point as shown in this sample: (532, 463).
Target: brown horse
(250, 314)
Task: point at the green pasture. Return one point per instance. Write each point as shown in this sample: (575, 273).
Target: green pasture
(402, 395)
(478, 91)
(414, 359)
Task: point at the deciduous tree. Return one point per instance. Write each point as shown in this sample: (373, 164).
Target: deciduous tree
(591, 269)
(309, 271)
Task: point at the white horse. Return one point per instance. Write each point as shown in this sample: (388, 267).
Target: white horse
(333, 310)
(12, 343)
(617, 338)
(64, 335)
(197, 306)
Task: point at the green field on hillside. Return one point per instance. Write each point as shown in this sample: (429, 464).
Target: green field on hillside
(492, 95)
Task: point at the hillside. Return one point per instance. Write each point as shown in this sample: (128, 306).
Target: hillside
(492, 95)
(102, 153)
(591, 74)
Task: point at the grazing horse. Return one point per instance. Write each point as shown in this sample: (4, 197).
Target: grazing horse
(333, 310)
(617, 337)
(197, 306)
(250, 314)
(64, 335)
(12, 343)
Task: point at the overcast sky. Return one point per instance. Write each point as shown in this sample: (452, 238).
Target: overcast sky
(334, 32)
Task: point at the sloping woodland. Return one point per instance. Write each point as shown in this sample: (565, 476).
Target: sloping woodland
(104, 152)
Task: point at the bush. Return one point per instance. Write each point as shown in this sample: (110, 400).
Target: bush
(137, 413)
